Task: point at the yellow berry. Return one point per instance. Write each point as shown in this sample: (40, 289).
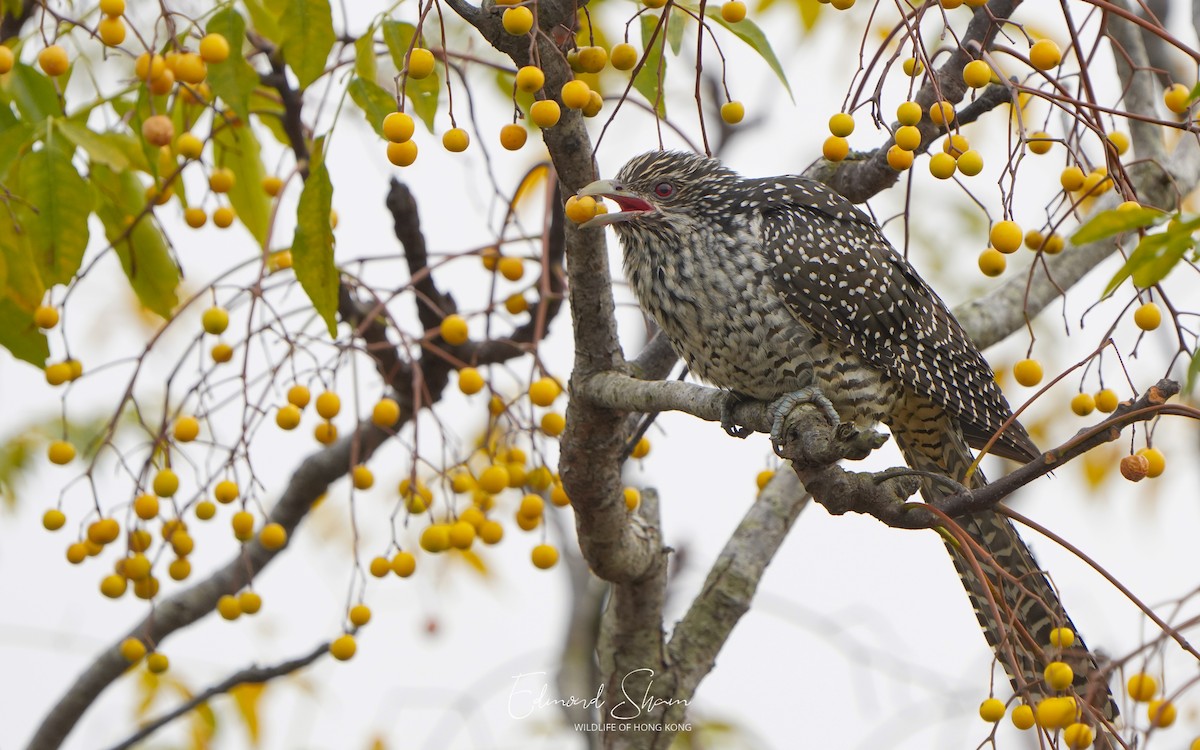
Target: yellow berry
(942, 166)
(494, 479)
(470, 381)
(970, 162)
(328, 405)
(456, 140)
(223, 217)
(624, 56)
(299, 396)
(545, 113)
(899, 159)
(186, 429)
(362, 478)
(632, 497)
(288, 417)
(8, 59)
(53, 60)
(909, 113)
(461, 535)
(1045, 54)
(45, 317)
(435, 538)
(491, 532)
(221, 180)
(1120, 142)
(137, 567)
(205, 510)
(386, 413)
(53, 519)
(544, 391)
(243, 525)
(360, 614)
(58, 373)
(553, 423)
(1072, 178)
(733, 112)
(1161, 713)
(841, 124)
(531, 506)
(912, 67)
(592, 59)
(991, 710)
(114, 586)
(1006, 236)
(379, 567)
(513, 136)
(215, 320)
(1078, 736)
(190, 68)
(454, 330)
(530, 78)
(228, 607)
(420, 63)
(835, 148)
(908, 137)
(1142, 687)
(273, 536)
(733, 11)
(956, 144)
(544, 556)
(977, 74)
(111, 30)
(226, 491)
(158, 130)
(157, 663)
(402, 154)
(1147, 317)
(398, 127)
(112, 7)
(640, 449)
(763, 477)
(1058, 675)
(343, 647)
(1039, 142)
(77, 553)
(166, 483)
(146, 507)
(214, 48)
(941, 113)
(132, 649)
(1028, 372)
(1156, 461)
(60, 452)
(179, 569)
(574, 94)
(148, 67)
(403, 564)
(1106, 401)
(1055, 713)
(1083, 404)
(511, 268)
(992, 262)
(517, 21)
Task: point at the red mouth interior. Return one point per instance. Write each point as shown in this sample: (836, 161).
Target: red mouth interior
(629, 203)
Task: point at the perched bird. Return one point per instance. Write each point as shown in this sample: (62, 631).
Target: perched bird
(777, 285)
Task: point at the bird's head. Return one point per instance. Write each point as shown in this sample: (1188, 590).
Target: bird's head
(662, 188)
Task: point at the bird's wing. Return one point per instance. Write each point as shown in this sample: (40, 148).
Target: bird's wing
(835, 271)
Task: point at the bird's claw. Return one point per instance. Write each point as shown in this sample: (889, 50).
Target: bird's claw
(784, 405)
(728, 423)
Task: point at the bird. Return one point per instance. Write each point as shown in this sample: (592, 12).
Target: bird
(779, 287)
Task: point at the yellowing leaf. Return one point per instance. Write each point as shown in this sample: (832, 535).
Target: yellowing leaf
(141, 248)
(532, 179)
(237, 147)
(54, 211)
(475, 562)
(264, 18)
(365, 64)
(248, 698)
(312, 247)
(234, 80)
(19, 335)
(307, 30)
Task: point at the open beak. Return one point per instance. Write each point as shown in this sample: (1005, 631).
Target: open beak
(630, 205)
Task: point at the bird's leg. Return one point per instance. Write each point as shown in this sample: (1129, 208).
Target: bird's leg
(787, 402)
(731, 427)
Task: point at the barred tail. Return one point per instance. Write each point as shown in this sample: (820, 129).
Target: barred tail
(1014, 602)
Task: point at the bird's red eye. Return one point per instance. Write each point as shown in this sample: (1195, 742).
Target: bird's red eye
(664, 190)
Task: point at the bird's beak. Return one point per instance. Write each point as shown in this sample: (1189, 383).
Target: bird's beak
(630, 204)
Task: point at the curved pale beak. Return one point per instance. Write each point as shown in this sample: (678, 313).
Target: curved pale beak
(630, 204)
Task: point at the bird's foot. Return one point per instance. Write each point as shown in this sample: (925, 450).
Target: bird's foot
(787, 402)
(728, 423)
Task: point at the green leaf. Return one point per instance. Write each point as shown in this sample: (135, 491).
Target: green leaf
(1155, 256)
(307, 29)
(424, 95)
(647, 81)
(675, 24)
(265, 20)
(312, 247)
(748, 32)
(234, 80)
(13, 142)
(1111, 223)
(23, 282)
(270, 113)
(398, 36)
(142, 249)
(373, 100)
(1193, 371)
(365, 64)
(20, 336)
(33, 93)
(238, 149)
(11, 8)
(54, 210)
(119, 151)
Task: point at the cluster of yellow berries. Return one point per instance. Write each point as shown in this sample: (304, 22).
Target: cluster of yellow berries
(956, 154)
(215, 320)
(231, 607)
(133, 650)
(46, 317)
(1005, 238)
